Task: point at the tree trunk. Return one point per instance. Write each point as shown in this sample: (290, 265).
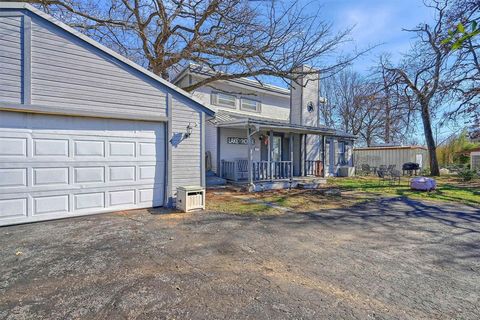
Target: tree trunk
(432, 148)
(387, 119)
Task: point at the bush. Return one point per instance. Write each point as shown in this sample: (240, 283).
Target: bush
(467, 174)
(425, 172)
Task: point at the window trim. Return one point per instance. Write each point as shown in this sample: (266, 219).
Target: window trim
(259, 105)
(343, 153)
(214, 98)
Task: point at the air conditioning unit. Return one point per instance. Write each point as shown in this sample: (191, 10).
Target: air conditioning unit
(346, 172)
(190, 198)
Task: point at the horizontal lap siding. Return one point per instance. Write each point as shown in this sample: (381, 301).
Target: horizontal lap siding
(66, 72)
(11, 30)
(186, 152)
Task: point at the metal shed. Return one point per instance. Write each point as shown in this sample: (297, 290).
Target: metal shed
(391, 155)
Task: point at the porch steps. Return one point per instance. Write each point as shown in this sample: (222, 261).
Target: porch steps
(213, 181)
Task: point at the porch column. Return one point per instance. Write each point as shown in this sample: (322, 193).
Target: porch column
(250, 161)
(290, 141)
(270, 153)
(323, 155)
(301, 155)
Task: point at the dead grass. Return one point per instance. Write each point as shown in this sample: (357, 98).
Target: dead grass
(268, 202)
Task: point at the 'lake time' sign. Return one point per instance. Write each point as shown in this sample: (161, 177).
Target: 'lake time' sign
(238, 140)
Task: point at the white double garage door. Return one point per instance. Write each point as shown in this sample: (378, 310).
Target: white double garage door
(59, 166)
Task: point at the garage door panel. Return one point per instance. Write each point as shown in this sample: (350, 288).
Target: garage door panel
(122, 173)
(122, 197)
(49, 176)
(94, 200)
(13, 147)
(48, 173)
(92, 148)
(122, 149)
(50, 147)
(89, 175)
(13, 208)
(51, 204)
(13, 177)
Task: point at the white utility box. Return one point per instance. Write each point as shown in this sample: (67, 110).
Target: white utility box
(190, 198)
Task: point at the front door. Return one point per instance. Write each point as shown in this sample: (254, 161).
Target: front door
(277, 148)
(329, 158)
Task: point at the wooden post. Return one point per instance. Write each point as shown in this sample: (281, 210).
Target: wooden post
(270, 152)
(250, 161)
(323, 155)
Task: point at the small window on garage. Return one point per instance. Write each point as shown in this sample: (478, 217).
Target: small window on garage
(224, 100)
(250, 105)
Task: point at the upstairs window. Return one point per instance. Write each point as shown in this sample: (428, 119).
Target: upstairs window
(250, 105)
(224, 100)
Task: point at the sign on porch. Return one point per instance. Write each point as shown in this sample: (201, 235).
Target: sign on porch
(238, 140)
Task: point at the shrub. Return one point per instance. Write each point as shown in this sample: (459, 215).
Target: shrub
(467, 174)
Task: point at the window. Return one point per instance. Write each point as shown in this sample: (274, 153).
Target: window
(224, 100)
(342, 148)
(250, 105)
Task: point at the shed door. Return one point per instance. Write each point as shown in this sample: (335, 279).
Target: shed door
(419, 159)
(58, 166)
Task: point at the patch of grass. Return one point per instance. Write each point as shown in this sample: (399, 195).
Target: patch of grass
(449, 189)
(236, 203)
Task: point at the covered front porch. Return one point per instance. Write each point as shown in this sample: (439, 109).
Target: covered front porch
(275, 154)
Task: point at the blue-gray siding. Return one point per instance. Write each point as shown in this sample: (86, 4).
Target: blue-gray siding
(11, 30)
(66, 72)
(186, 152)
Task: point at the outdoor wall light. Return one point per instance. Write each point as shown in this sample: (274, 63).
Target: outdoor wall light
(190, 129)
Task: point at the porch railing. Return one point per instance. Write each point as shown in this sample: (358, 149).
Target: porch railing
(236, 170)
(274, 170)
(314, 168)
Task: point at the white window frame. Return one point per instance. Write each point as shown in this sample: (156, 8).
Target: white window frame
(258, 108)
(342, 153)
(215, 100)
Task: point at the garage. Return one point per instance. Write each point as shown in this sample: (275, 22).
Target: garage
(58, 166)
(84, 130)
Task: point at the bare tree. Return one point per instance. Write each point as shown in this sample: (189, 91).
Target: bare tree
(423, 71)
(364, 107)
(464, 73)
(233, 38)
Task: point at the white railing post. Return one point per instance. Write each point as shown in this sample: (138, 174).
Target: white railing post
(250, 156)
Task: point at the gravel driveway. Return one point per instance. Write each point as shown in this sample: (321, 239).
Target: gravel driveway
(389, 259)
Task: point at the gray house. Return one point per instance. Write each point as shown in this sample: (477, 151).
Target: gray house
(266, 135)
(84, 130)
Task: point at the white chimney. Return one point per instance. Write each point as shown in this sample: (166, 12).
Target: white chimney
(304, 98)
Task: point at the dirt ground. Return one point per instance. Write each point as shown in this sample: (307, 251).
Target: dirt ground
(385, 259)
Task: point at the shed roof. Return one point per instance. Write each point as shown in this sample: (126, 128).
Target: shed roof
(26, 6)
(390, 148)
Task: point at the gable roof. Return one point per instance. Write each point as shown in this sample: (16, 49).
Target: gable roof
(131, 64)
(198, 70)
